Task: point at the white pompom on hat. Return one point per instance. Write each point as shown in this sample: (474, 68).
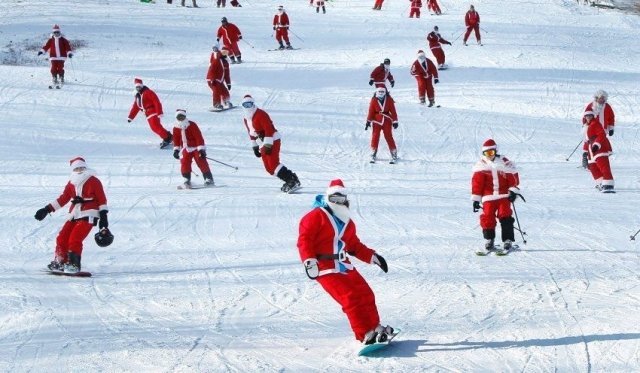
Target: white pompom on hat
(336, 186)
(55, 28)
(77, 162)
(137, 82)
(181, 112)
(489, 144)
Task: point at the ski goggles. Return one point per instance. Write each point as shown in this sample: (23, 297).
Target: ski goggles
(489, 153)
(338, 199)
(247, 105)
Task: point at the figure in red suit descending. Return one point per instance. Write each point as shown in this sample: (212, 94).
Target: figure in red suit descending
(426, 74)
(381, 74)
(148, 102)
(188, 142)
(59, 49)
(433, 6)
(219, 79)
(435, 40)
(382, 116)
(265, 141)
(598, 149)
(230, 35)
(88, 206)
(319, 4)
(415, 8)
(327, 238)
(495, 183)
(281, 27)
(472, 22)
(605, 115)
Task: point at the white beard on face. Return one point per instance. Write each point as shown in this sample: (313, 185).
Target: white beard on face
(342, 212)
(596, 107)
(386, 67)
(77, 178)
(248, 112)
(183, 123)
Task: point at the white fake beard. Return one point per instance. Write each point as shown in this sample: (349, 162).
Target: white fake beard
(183, 123)
(597, 108)
(342, 212)
(77, 178)
(248, 112)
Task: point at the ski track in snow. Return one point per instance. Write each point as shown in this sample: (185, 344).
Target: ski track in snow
(210, 280)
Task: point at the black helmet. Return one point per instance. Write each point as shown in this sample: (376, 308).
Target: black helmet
(224, 20)
(103, 238)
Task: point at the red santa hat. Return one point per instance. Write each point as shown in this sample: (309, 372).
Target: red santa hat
(336, 186)
(489, 145)
(55, 28)
(137, 82)
(588, 112)
(77, 162)
(181, 112)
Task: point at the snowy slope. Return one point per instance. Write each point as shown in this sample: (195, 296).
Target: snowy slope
(210, 280)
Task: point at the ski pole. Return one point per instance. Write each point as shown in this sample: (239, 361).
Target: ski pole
(574, 150)
(458, 36)
(634, 236)
(522, 233)
(222, 163)
(249, 44)
(73, 70)
(483, 30)
(294, 34)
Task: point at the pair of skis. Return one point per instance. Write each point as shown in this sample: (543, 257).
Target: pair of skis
(497, 250)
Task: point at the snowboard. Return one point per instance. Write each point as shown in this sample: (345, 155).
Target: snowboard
(278, 49)
(223, 109)
(77, 274)
(497, 249)
(182, 187)
(372, 348)
(293, 190)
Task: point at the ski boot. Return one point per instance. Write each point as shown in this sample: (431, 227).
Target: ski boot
(227, 104)
(507, 245)
(422, 101)
(166, 141)
(56, 266)
(233, 59)
(239, 59)
(281, 47)
(73, 266)
(489, 244)
(373, 156)
(289, 46)
(217, 107)
(208, 179)
(384, 333)
(394, 156)
(431, 102)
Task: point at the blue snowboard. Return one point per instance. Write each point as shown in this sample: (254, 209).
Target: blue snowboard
(372, 348)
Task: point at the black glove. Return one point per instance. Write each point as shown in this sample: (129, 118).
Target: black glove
(395, 125)
(371, 82)
(40, 53)
(367, 125)
(104, 222)
(77, 199)
(449, 43)
(70, 55)
(392, 83)
(176, 154)
(42, 213)
(476, 206)
(256, 151)
(240, 37)
(217, 40)
(229, 87)
(267, 148)
(595, 148)
(611, 132)
(380, 262)
(512, 196)
(585, 160)
(128, 120)
(203, 154)
(436, 81)
(274, 27)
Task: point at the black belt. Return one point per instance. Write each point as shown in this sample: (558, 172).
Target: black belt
(327, 256)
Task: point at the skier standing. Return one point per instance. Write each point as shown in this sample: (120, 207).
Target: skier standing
(605, 115)
(148, 102)
(382, 116)
(472, 22)
(188, 141)
(319, 4)
(88, 206)
(433, 6)
(598, 149)
(415, 8)
(424, 71)
(381, 74)
(281, 27)
(435, 39)
(265, 141)
(59, 49)
(327, 237)
(230, 35)
(219, 79)
(495, 183)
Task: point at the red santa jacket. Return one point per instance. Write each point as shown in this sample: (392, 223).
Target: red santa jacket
(472, 18)
(218, 69)
(58, 48)
(187, 135)
(324, 237)
(87, 186)
(425, 70)
(416, 4)
(435, 40)
(381, 112)
(260, 127)
(229, 34)
(147, 101)
(281, 21)
(595, 135)
(380, 75)
(604, 114)
(492, 180)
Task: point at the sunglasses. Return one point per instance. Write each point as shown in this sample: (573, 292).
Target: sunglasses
(247, 105)
(489, 153)
(338, 199)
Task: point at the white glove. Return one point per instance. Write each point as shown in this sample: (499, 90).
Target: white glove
(311, 267)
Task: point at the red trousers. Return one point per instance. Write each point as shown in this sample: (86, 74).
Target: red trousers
(187, 157)
(156, 127)
(70, 239)
(438, 53)
(414, 11)
(355, 296)
(388, 136)
(57, 67)
(433, 6)
(234, 50)
(425, 88)
(282, 34)
(475, 28)
(378, 4)
(601, 170)
(271, 161)
(500, 208)
(220, 92)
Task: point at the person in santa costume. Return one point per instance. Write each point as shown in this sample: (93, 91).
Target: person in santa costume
(435, 40)
(426, 75)
(382, 116)
(281, 28)
(219, 79)
(230, 35)
(59, 49)
(327, 238)
(605, 115)
(495, 183)
(148, 102)
(381, 74)
(265, 141)
(188, 141)
(598, 149)
(472, 22)
(88, 208)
